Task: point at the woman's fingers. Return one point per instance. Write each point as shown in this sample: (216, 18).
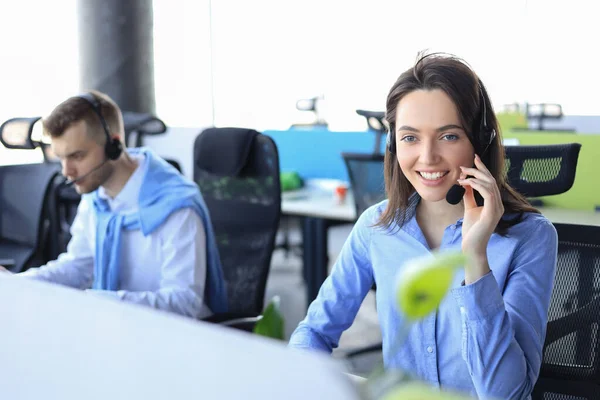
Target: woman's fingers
(469, 196)
(483, 187)
(480, 171)
(489, 192)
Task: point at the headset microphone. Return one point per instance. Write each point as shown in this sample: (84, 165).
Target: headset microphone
(68, 182)
(455, 194)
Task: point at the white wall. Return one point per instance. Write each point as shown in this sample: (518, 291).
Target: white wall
(39, 64)
(177, 144)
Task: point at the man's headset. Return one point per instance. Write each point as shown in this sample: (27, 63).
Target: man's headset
(113, 147)
(486, 135)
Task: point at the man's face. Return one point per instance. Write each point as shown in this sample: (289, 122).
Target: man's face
(80, 155)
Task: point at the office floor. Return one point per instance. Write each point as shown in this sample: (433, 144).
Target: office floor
(285, 281)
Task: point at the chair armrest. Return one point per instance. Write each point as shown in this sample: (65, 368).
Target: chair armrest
(243, 324)
(241, 321)
(7, 263)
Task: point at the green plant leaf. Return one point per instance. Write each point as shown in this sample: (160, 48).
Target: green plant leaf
(423, 282)
(420, 287)
(420, 391)
(272, 323)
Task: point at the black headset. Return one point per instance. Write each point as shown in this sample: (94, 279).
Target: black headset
(486, 133)
(113, 147)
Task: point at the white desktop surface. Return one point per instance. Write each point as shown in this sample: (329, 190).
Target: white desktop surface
(563, 216)
(320, 204)
(60, 343)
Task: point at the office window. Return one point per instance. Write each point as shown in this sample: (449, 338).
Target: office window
(39, 62)
(255, 59)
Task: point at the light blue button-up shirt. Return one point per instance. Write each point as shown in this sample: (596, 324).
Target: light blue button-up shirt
(485, 339)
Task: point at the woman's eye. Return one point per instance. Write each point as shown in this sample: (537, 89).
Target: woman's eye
(408, 138)
(450, 137)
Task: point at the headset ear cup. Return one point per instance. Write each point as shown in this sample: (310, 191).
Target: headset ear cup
(391, 143)
(492, 136)
(114, 149)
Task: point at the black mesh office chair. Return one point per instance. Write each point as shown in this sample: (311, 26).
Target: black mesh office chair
(237, 171)
(542, 170)
(366, 179)
(543, 112)
(24, 194)
(376, 124)
(140, 125)
(571, 358)
(24, 200)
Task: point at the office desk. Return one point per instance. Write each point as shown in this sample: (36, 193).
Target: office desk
(319, 211)
(61, 343)
(578, 217)
(317, 204)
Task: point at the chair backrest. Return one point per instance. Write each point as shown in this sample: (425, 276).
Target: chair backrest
(244, 207)
(542, 170)
(543, 112)
(571, 357)
(24, 193)
(366, 179)
(142, 124)
(376, 123)
(175, 164)
(65, 201)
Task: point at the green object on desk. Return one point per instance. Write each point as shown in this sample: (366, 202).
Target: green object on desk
(290, 181)
(272, 324)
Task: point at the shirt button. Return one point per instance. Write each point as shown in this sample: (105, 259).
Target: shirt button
(429, 349)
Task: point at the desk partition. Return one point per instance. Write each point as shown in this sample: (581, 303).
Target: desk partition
(317, 153)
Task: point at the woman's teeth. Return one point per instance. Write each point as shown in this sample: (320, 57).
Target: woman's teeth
(432, 176)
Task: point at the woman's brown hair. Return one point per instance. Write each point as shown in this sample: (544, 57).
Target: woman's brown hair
(453, 76)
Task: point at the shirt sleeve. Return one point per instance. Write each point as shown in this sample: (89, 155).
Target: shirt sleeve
(75, 267)
(341, 295)
(183, 270)
(503, 333)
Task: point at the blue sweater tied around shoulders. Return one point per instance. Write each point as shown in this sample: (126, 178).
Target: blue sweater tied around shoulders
(164, 190)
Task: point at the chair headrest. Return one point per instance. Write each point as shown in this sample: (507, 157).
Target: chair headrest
(223, 151)
(144, 123)
(16, 133)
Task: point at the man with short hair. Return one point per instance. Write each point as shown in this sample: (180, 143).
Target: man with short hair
(142, 233)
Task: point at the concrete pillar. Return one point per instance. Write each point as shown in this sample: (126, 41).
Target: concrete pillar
(116, 51)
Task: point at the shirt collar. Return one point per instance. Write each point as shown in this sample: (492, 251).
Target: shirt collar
(411, 214)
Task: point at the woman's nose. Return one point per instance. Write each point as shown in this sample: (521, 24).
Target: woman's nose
(429, 153)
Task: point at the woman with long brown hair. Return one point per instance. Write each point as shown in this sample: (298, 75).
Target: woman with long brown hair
(446, 189)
